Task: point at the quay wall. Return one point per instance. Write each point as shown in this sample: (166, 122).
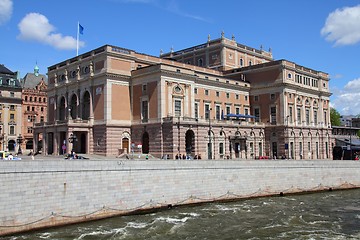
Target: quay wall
(37, 194)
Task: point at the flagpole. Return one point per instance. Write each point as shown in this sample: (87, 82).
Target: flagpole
(77, 40)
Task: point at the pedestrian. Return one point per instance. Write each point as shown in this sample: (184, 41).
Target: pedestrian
(11, 157)
(184, 157)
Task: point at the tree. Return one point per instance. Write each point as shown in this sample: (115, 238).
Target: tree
(335, 117)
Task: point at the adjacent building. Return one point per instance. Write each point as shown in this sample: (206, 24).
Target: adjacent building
(10, 109)
(217, 100)
(34, 106)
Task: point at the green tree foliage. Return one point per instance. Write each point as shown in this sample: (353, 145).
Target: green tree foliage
(335, 117)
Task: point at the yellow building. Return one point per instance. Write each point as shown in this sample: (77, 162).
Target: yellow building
(217, 100)
(10, 109)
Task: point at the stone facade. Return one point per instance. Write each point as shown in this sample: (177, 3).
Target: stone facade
(238, 103)
(49, 193)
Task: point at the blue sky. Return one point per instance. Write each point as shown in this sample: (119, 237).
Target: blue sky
(323, 35)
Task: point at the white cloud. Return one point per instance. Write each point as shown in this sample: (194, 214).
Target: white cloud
(343, 26)
(36, 27)
(346, 100)
(6, 8)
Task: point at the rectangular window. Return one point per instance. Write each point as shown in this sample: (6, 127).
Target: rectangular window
(300, 150)
(207, 111)
(221, 148)
(237, 96)
(237, 110)
(144, 88)
(195, 90)
(315, 118)
(290, 119)
(218, 110)
(144, 111)
(325, 117)
(227, 95)
(246, 98)
(196, 110)
(12, 107)
(12, 94)
(12, 116)
(256, 98)
(177, 108)
(273, 115)
(272, 96)
(42, 119)
(217, 94)
(307, 116)
(257, 114)
(228, 110)
(12, 130)
(298, 112)
(206, 92)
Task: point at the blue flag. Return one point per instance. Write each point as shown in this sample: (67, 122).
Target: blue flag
(81, 29)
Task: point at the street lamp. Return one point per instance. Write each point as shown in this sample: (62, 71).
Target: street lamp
(72, 140)
(287, 137)
(19, 141)
(209, 133)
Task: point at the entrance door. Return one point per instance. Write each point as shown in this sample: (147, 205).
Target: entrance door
(209, 150)
(237, 149)
(145, 143)
(125, 145)
(274, 149)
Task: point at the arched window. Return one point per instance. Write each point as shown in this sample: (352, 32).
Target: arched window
(86, 106)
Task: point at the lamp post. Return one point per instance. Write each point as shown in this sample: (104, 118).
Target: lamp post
(209, 133)
(351, 156)
(287, 137)
(72, 140)
(19, 141)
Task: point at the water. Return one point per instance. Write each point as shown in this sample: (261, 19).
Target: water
(326, 215)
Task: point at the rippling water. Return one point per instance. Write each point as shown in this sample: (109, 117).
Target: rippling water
(326, 215)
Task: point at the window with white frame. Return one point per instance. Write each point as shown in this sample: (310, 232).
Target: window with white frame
(290, 119)
(307, 116)
(217, 112)
(12, 130)
(228, 110)
(257, 114)
(144, 88)
(221, 148)
(196, 110)
(177, 108)
(207, 111)
(315, 117)
(144, 110)
(273, 114)
(298, 114)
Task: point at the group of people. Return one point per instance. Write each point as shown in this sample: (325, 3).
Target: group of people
(188, 157)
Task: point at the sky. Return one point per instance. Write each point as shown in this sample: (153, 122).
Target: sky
(323, 35)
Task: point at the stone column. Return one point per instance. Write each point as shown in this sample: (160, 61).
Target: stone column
(169, 87)
(186, 101)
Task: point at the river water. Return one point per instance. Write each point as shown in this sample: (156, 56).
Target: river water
(324, 215)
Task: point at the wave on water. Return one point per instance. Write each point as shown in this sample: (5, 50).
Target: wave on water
(172, 220)
(99, 233)
(192, 214)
